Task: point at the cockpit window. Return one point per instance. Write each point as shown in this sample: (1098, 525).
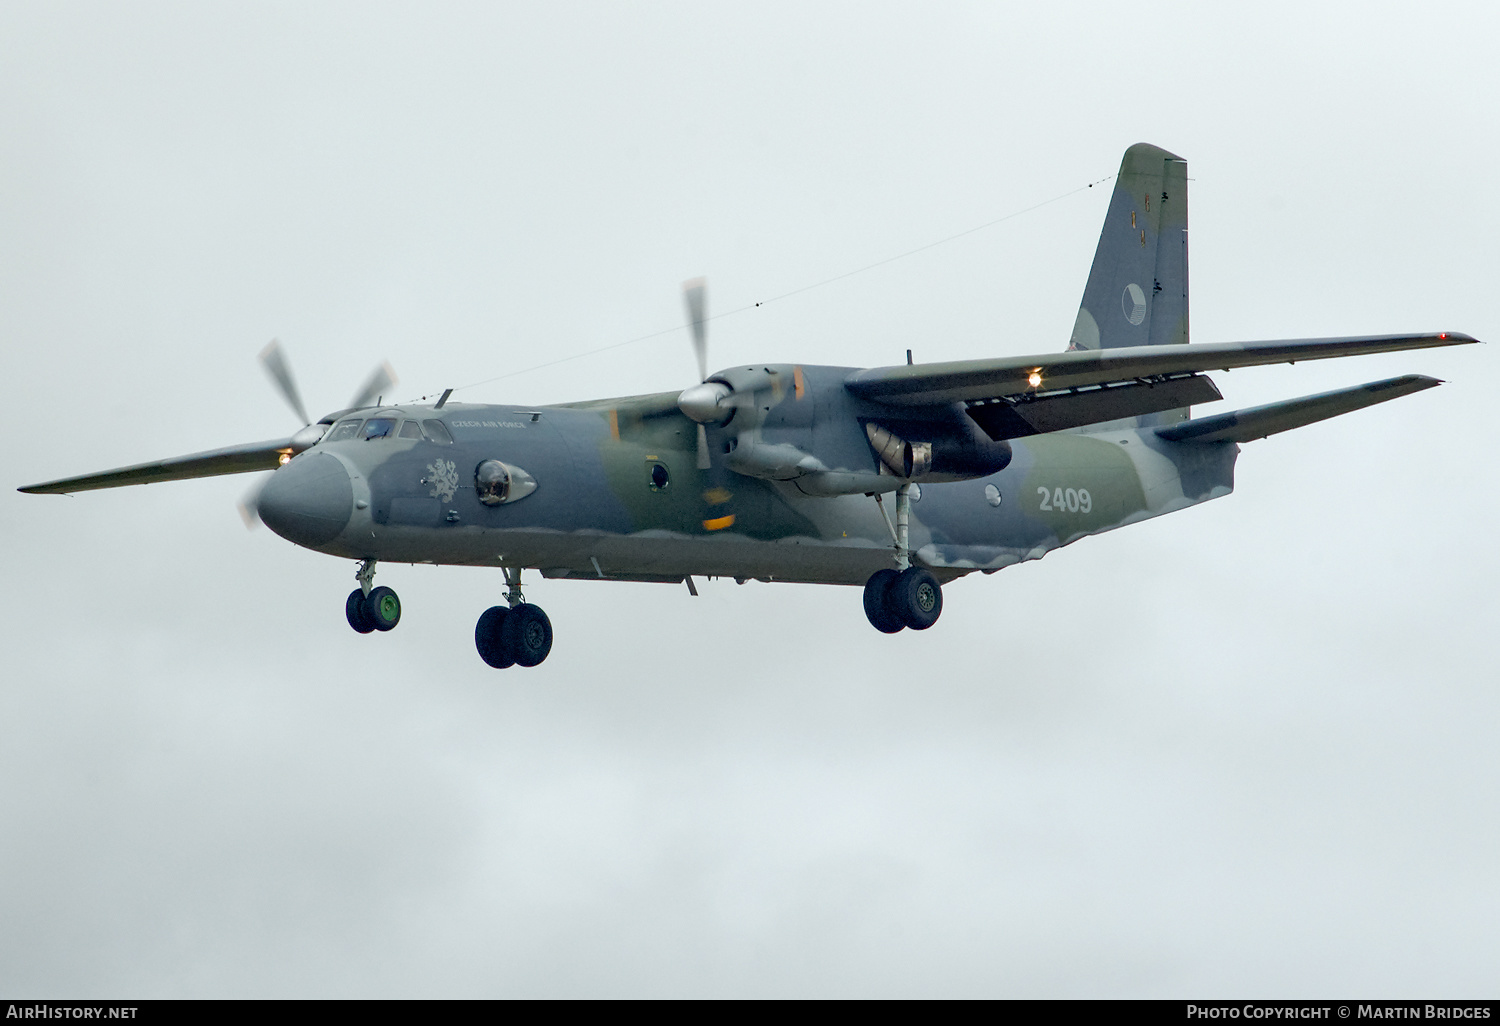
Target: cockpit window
(437, 431)
(343, 429)
(411, 429)
(378, 427)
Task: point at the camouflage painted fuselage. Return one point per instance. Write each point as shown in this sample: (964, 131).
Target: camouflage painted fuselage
(600, 508)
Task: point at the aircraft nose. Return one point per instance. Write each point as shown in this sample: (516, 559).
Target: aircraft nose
(308, 501)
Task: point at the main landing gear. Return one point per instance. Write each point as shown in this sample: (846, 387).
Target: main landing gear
(516, 634)
(897, 599)
(908, 596)
(368, 608)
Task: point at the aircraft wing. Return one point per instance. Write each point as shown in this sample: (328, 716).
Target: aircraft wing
(1262, 421)
(234, 459)
(929, 384)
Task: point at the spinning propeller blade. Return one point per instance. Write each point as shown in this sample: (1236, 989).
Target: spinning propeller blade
(703, 461)
(695, 297)
(380, 379)
(249, 505)
(272, 359)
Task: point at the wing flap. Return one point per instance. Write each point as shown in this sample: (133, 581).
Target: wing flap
(974, 380)
(234, 459)
(1260, 421)
(1039, 413)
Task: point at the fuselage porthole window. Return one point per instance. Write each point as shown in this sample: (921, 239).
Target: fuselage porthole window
(343, 429)
(659, 477)
(437, 431)
(411, 429)
(378, 427)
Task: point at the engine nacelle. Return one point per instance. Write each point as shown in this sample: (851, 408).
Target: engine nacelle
(945, 456)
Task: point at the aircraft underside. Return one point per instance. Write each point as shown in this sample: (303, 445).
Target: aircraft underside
(899, 478)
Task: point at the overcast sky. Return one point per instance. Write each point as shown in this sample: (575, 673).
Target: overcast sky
(1244, 750)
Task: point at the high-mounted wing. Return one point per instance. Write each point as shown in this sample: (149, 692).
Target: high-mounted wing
(1015, 396)
(1261, 421)
(233, 459)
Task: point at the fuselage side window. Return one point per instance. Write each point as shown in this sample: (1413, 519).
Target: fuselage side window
(437, 431)
(379, 427)
(343, 429)
(411, 429)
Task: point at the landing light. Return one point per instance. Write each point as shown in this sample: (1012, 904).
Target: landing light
(283, 459)
(1035, 380)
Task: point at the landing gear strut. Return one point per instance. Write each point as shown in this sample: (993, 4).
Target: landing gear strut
(369, 608)
(516, 634)
(908, 596)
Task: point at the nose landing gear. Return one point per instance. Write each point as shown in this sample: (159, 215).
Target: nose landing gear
(371, 609)
(517, 634)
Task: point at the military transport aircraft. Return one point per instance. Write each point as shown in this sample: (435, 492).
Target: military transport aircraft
(781, 472)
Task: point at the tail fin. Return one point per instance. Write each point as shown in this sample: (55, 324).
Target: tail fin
(1137, 293)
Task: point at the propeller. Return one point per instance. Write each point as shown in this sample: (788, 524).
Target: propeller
(380, 379)
(701, 402)
(695, 296)
(249, 505)
(274, 361)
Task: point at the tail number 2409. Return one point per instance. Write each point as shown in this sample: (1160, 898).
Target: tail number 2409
(1070, 500)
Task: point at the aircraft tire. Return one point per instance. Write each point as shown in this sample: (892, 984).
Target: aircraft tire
(527, 634)
(878, 608)
(383, 608)
(917, 598)
(488, 641)
(356, 613)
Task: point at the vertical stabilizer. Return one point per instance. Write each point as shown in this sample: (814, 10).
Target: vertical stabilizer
(1137, 293)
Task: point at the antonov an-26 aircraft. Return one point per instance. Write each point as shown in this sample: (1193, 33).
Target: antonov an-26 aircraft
(898, 479)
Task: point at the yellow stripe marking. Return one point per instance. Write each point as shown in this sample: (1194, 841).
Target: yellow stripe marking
(719, 523)
(614, 424)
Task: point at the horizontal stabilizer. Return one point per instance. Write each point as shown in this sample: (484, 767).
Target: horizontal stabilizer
(1261, 421)
(234, 459)
(973, 380)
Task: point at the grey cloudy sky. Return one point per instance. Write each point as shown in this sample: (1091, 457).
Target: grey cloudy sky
(1246, 749)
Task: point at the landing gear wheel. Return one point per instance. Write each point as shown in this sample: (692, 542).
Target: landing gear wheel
(383, 608)
(526, 634)
(487, 638)
(917, 598)
(356, 613)
(878, 608)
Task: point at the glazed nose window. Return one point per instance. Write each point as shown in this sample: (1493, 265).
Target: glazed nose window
(492, 482)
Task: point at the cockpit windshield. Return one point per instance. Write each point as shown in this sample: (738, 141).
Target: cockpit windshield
(378, 427)
(342, 430)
